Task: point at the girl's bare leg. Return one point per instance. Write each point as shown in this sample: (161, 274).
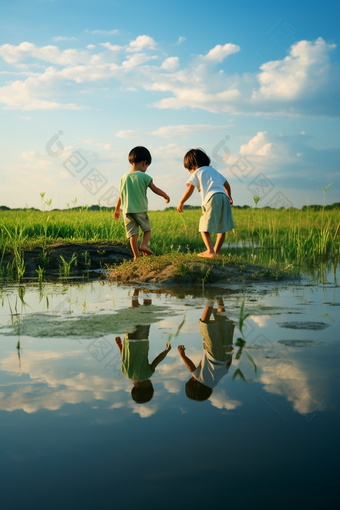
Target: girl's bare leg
(134, 246)
(219, 242)
(210, 253)
(144, 244)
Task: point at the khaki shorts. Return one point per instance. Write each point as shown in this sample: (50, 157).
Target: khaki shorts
(133, 221)
(217, 217)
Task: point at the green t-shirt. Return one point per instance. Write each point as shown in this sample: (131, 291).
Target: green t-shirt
(133, 188)
(135, 363)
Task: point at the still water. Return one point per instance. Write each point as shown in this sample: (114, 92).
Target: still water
(100, 409)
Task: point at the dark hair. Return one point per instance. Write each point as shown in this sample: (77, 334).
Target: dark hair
(139, 154)
(142, 395)
(196, 158)
(197, 391)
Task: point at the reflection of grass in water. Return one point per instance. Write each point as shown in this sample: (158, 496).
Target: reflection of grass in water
(86, 325)
(302, 236)
(175, 335)
(241, 343)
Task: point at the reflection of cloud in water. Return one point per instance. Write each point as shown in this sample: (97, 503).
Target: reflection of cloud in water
(173, 385)
(220, 400)
(59, 378)
(260, 320)
(294, 384)
(144, 411)
(55, 381)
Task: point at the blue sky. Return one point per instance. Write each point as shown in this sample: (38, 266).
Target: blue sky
(112, 75)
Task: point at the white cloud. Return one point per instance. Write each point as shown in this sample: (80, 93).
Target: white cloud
(170, 64)
(90, 46)
(62, 38)
(300, 73)
(105, 32)
(111, 47)
(304, 82)
(142, 42)
(181, 39)
(257, 146)
(219, 53)
(129, 133)
(29, 94)
(186, 129)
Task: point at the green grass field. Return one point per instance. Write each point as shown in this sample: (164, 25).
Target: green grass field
(274, 237)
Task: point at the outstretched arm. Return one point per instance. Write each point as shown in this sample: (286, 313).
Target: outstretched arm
(226, 186)
(159, 192)
(230, 360)
(117, 211)
(189, 364)
(185, 197)
(160, 357)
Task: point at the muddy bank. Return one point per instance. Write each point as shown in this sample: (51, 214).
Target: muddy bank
(164, 273)
(88, 257)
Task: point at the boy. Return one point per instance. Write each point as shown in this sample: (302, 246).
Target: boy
(216, 200)
(132, 197)
(217, 353)
(135, 363)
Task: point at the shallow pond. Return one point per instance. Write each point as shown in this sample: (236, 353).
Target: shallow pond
(263, 432)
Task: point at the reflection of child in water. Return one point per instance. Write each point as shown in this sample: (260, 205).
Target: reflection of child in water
(135, 363)
(217, 353)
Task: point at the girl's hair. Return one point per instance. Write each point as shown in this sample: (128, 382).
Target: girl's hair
(139, 154)
(197, 391)
(195, 158)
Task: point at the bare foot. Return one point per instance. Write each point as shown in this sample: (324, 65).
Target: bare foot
(135, 259)
(207, 255)
(145, 250)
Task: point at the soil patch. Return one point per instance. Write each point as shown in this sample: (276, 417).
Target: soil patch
(87, 257)
(163, 271)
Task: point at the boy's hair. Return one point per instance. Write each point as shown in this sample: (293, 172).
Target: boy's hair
(142, 395)
(195, 158)
(197, 391)
(139, 154)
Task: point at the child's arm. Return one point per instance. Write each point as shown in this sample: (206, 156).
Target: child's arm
(185, 197)
(190, 365)
(117, 211)
(160, 357)
(159, 192)
(226, 186)
(119, 343)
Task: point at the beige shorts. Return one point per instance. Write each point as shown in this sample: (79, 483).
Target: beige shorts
(133, 221)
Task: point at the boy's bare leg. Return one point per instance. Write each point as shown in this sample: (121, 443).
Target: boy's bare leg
(206, 314)
(144, 244)
(219, 242)
(134, 300)
(220, 305)
(134, 246)
(210, 253)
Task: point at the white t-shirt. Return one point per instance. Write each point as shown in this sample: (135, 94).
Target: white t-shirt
(210, 371)
(208, 181)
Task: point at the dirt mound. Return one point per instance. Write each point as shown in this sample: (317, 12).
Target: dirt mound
(87, 257)
(161, 271)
